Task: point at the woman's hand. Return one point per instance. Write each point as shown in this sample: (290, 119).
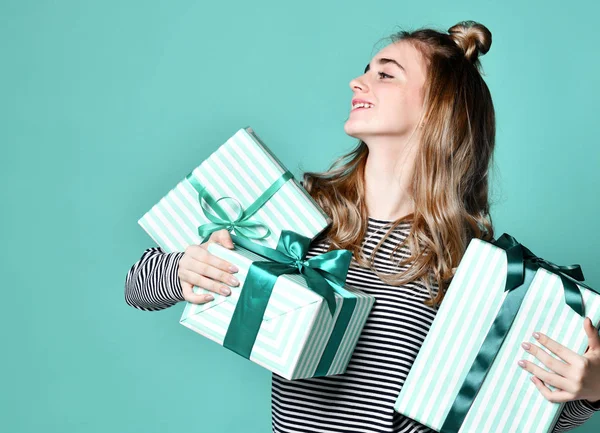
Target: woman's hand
(198, 267)
(577, 378)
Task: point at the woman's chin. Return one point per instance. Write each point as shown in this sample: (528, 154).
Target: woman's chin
(353, 129)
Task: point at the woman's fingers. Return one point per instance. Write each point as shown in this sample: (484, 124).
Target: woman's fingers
(221, 237)
(198, 267)
(204, 282)
(213, 268)
(203, 263)
(194, 298)
(215, 262)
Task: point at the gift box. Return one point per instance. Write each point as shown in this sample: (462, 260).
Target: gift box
(241, 187)
(465, 377)
(308, 325)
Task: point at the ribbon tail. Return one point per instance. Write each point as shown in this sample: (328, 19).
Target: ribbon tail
(321, 286)
(573, 296)
(571, 277)
(337, 334)
(251, 306)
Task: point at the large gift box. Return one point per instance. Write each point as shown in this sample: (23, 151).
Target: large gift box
(465, 377)
(292, 316)
(242, 187)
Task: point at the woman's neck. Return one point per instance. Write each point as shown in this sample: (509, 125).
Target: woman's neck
(388, 182)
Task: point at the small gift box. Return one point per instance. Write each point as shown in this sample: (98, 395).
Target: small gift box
(241, 187)
(465, 377)
(294, 317)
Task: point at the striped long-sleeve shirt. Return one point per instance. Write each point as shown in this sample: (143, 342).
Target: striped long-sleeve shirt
(361, 399)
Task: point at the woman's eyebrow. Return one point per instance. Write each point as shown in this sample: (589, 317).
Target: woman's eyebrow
(385, 60)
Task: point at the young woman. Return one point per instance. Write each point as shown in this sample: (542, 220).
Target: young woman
(407, 201)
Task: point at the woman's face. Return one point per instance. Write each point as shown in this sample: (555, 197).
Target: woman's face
(396, 93)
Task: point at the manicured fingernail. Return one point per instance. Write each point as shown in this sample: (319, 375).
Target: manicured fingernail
(536, 335)
(209, 298)
(225, 291)
(522, 363)
(233, 268)
(233, 280)
(526, 346)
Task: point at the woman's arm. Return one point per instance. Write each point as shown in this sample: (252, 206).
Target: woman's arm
(152, 282)
(575, 413)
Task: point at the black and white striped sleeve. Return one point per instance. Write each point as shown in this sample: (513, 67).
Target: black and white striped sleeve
(574, 414)
(152, 283)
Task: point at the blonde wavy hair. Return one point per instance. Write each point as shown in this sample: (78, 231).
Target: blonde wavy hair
(450, 183)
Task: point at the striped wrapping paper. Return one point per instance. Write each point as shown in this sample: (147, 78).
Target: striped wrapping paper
(296, 324)
(243, 167)
(507, 401)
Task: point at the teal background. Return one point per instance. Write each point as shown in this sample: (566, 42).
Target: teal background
(106, 105)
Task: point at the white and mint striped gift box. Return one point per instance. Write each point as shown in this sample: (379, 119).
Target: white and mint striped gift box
(296, 324)
(507, 401)
(243, 168)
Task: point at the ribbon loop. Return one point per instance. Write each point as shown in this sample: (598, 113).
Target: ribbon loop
(331, 268)
(573, 271)
(241, 223)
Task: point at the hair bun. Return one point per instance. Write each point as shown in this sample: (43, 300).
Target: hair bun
(472, 37)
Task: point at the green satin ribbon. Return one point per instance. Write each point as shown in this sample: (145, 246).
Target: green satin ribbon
(324, 274)
(522, 265)
(242, 223)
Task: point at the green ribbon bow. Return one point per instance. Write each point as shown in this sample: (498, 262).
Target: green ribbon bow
(522, 265)
(242, 223)
(324, 274)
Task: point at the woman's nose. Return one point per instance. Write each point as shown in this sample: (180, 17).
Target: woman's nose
(356, 84)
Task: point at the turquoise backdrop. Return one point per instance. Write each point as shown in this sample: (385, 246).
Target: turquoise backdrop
(105, 105)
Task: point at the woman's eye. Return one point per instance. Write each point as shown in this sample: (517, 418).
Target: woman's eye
(383, 73)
